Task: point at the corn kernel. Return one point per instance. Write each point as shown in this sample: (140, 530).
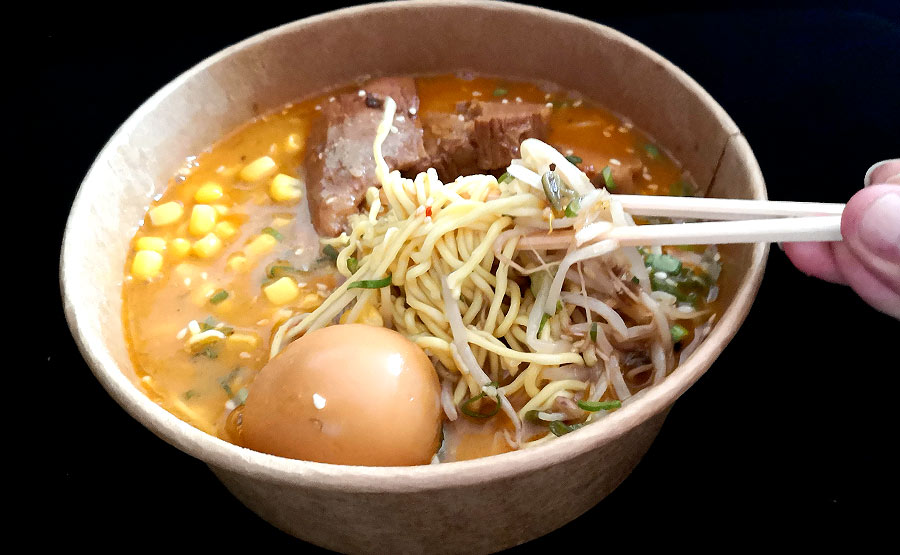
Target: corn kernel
(179, 247)
(241, 342)
(368, 316)
(262, 244)
(238, 263)
(225, 230)
(258, 169)
(146, 264)
(203, 219)
(310, 302)
(285, 188)
(157, 244)
(282, 291)
(279, 221)
(221, 209)
(166, 214)
(208, 246)
(208, 192)
(294, 142)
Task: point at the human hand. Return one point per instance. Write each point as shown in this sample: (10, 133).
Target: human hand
(868, 259)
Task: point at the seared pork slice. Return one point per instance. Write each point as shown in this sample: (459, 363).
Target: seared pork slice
(448, 142)
(340, 164)
(500, 129)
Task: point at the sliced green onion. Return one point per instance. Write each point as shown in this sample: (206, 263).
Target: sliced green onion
(559, 306)
(551, 184)
(678, 333)
(608, 178)
(208, 324)
(218, 296)
(560, 103)
(500, 91)
(273, 232)
(505, 178)
(371, 283)
(352, 264)
(544, 319)
(226, 330)
(280, 270)
(560, 428)
(474, 413)
(663, 285)
(189, 394)
(573, 207)
(532, 416)
(594, 332)
(664, 263)
(574, 159)
(241, 396)
(681, 189)
(651, 150)
(594, 406)
(209, 352)
(330, 252)
(635, 280)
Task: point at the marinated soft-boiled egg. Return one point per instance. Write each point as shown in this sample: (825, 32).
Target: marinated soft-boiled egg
(346, 394)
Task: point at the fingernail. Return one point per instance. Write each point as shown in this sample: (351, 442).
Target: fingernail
(879, 228)
(867, 180)
(780, 246)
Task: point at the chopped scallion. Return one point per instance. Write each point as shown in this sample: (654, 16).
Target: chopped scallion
(241, 396)
(544, 319)
(189, 394)
(594, 406)
(651, 150)
(468, 411)
(606, 172)
(635, 280)
(573, 207)
(330, 252)
(505, 178)
(678, 333)
(594, 332)
(532, 416)
(280, 270)
(352, 264)
(274, 233)
(550, 182)
(218, 296)
(574, 159)
(371, 283)
(500, 91)
(664, 263)
(559, 428)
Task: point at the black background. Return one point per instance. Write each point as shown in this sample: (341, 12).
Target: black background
(790, 434)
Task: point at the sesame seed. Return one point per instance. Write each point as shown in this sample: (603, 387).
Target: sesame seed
(401, 119)
(318, 107)
(244, 354)
(577, 103)
(394, 129)
(204, 275)
(607, 134)
(504, 101)
(476, 93)
(361, 93)
(623, 130)
(461, 118)
(187, 282)
(262, 322)
(547, 96)
(331, 99)
(549, 104)
(615, 162)
(412, 111)
(518, 99)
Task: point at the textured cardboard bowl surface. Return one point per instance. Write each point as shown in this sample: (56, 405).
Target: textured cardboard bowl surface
(440, 508)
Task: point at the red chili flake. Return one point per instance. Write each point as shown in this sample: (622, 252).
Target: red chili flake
(427, 211)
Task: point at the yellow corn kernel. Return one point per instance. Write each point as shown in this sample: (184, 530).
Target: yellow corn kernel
(238, 263)
(310, 302)
(208, 192)
(262, 244)
(368, 316)
(166, 214)
(282, 291)
(241, 342)
(225, 230)
(208, 246)
(157, 244)
(279, 221)
(281, 316)
(258, 169)
(285, 188)
(221, 209)
(179, 247)
(294, 142)
(146, 264)
(203, 219)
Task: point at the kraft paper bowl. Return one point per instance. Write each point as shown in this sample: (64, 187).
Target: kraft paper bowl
(437, 508)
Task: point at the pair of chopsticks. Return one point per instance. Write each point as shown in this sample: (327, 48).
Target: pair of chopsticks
(747, 221)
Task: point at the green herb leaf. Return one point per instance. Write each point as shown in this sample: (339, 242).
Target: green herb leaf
(241, 396)
(663, 263)
(532, 416)
(594, 406)
(499, 91)
(678, 333)
(594, 332)
(606, 172)
(352, 264)
(573, 207)
(371, 283)
(544, 319)
(218, 296)
(273, 232)
(651, 150)
(505, 178)
(574, 159)
(330, 252)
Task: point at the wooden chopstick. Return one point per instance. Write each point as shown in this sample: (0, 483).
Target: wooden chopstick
(772, 230)
(721, 208)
